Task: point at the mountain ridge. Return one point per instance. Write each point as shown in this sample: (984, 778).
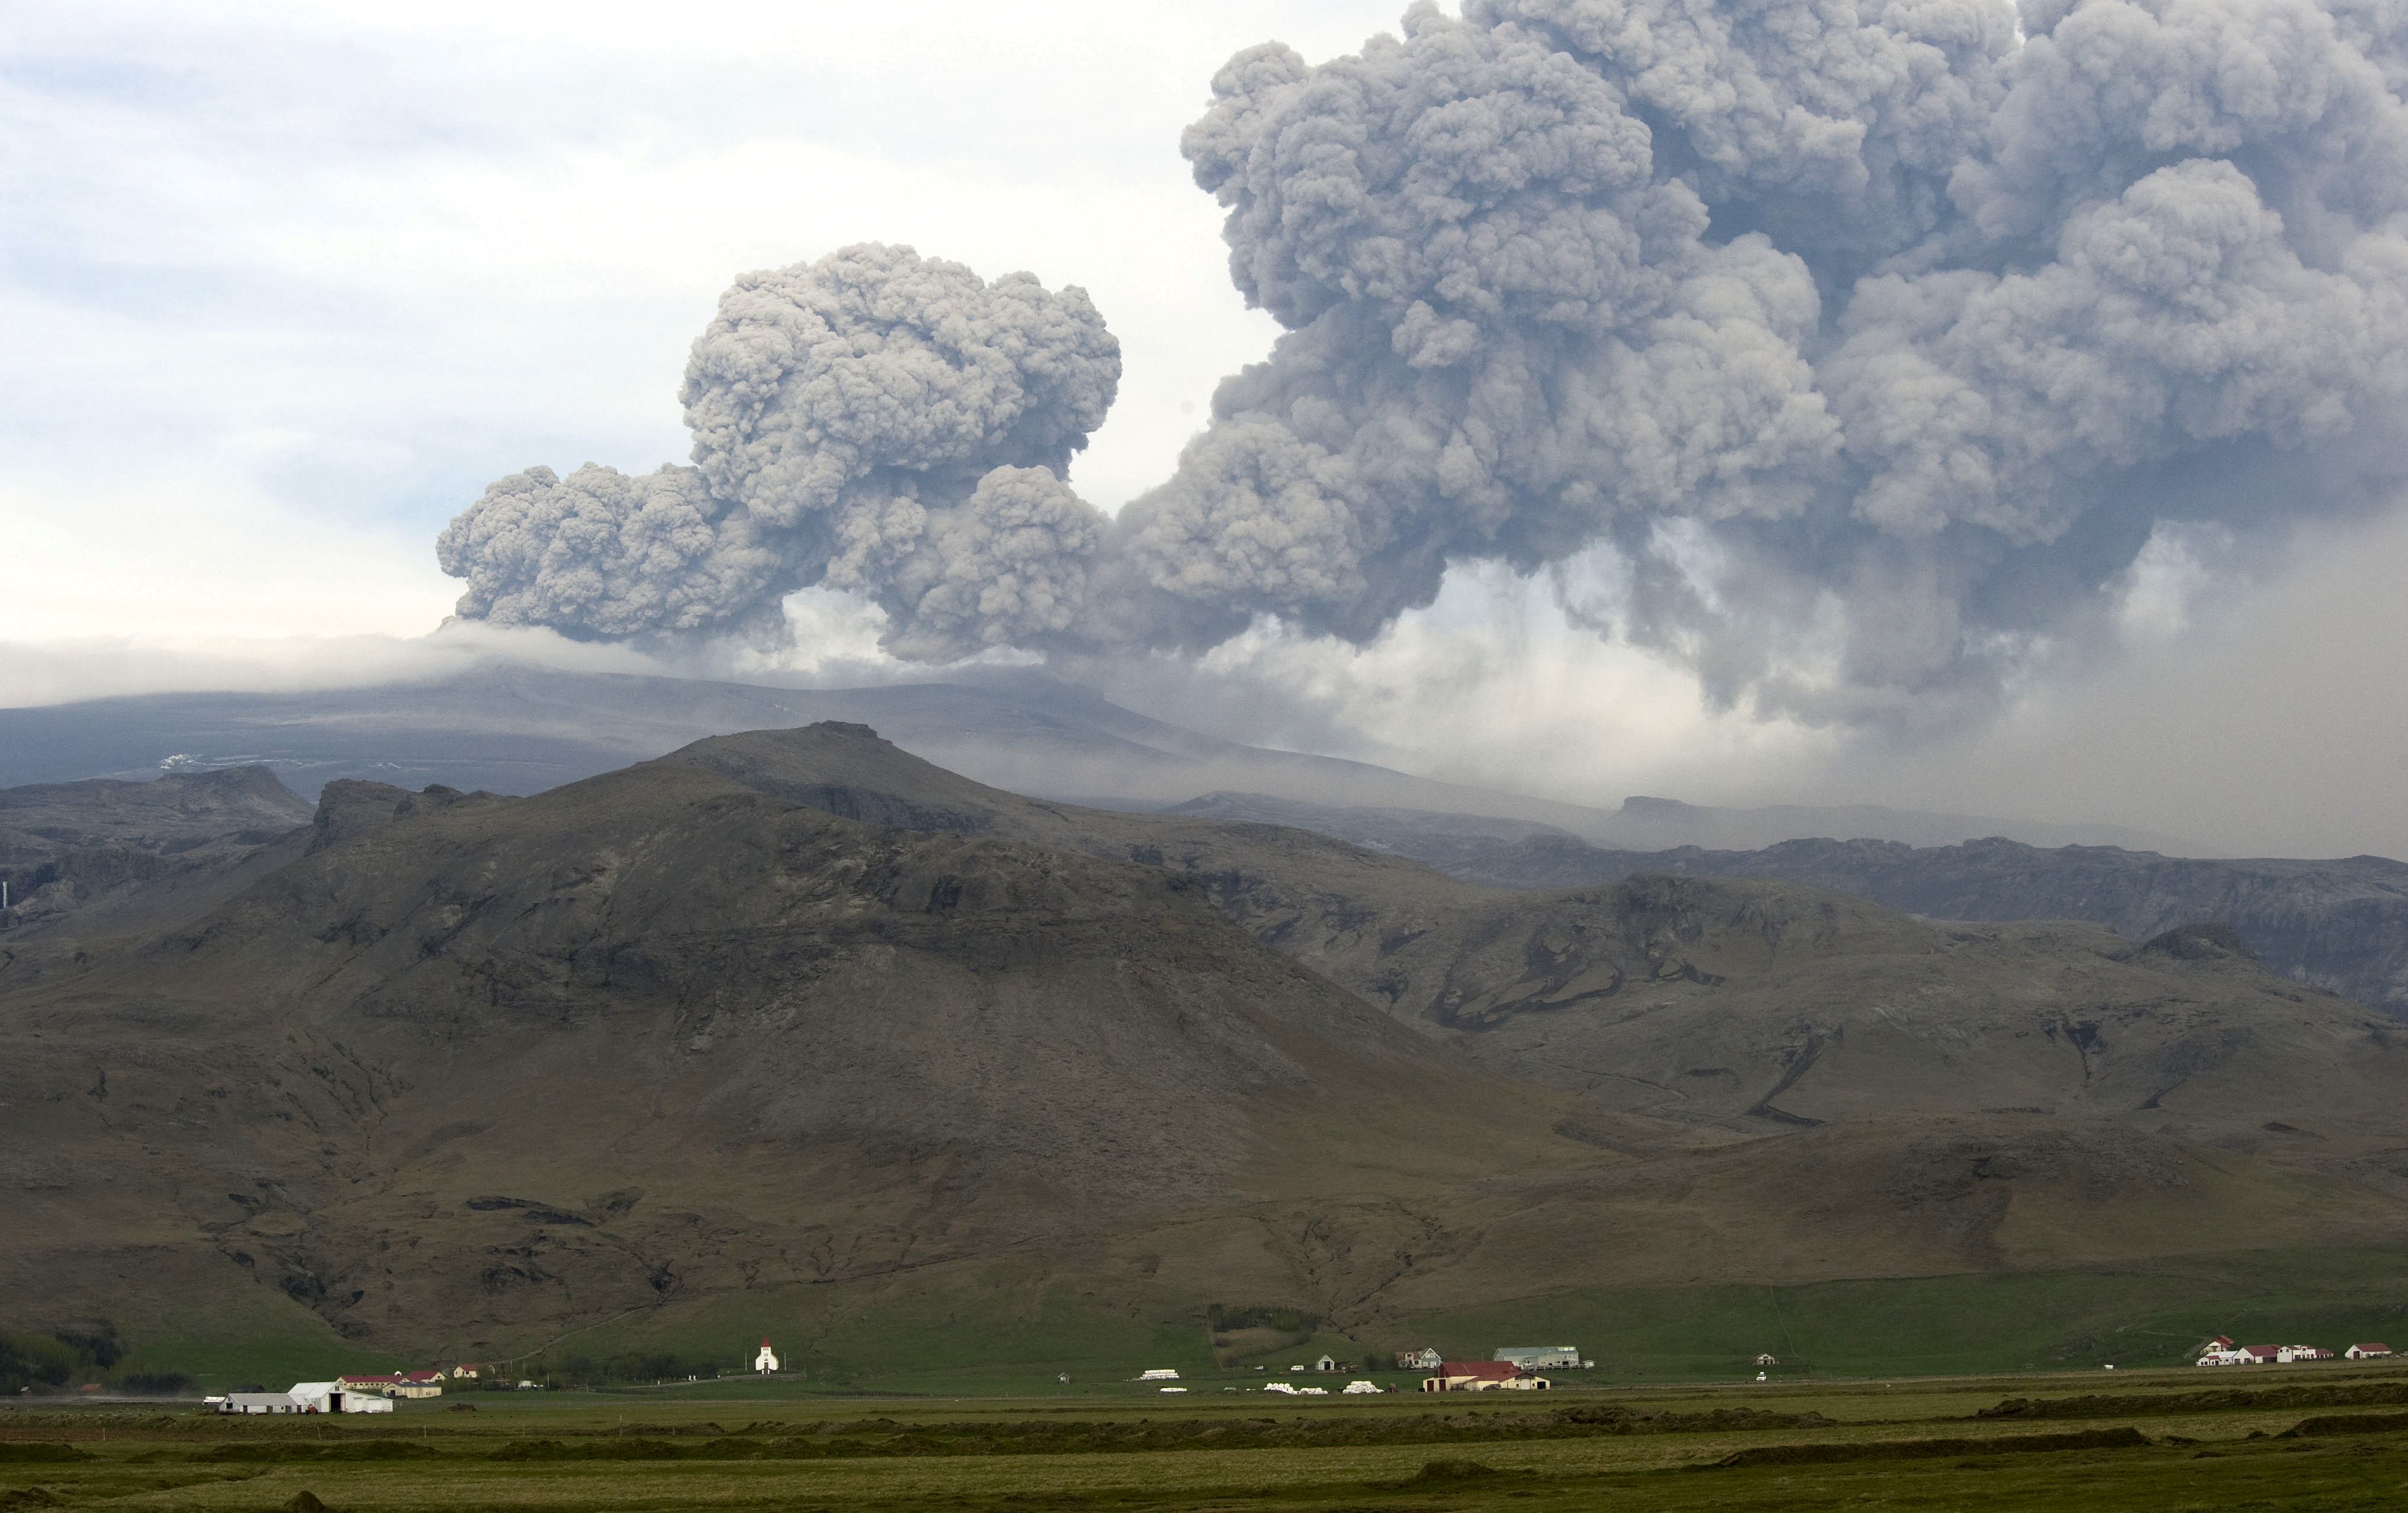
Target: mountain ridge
(484, 1070)
(2341, 924)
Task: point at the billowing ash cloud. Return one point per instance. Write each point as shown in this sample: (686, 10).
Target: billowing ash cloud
(1850, 354)
(1862, 338)
(875, 420)
(609, 555)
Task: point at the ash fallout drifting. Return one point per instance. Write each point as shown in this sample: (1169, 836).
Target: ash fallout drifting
(1840, 353)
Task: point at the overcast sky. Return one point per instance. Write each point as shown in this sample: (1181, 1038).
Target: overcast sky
(286, 284)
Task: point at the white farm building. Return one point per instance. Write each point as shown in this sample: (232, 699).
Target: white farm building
(304, 1397)
(1541, 1357)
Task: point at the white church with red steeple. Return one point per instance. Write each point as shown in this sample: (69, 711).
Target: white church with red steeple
(767, 1362)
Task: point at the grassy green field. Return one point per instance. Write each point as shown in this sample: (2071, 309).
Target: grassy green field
(2324, 1437)
(2153, 1316)
(1008, 1339)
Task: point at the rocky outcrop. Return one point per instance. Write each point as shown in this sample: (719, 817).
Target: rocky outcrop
(349, 808)
(82, 852)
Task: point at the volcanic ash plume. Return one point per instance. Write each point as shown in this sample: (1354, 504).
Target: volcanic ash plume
(873, 421)
(1851, 354)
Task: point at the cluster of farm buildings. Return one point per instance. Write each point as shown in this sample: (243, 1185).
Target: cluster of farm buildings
(1514, 1368)
(2221, 1351)
(352, 1394)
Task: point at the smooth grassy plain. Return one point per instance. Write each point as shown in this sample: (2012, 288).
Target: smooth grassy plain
(2190, 1439)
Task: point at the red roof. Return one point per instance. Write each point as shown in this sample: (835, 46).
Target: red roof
(1488, 1370)
(2384, 1348)
(423, 1375)
(2222, 1342)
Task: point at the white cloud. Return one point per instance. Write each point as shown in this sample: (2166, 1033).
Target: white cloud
(1493, 685)
(200, 552)
(2181, 562)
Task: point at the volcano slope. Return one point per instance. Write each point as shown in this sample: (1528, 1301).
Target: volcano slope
(1750, 1003)
(792, 1013)
(2029, 1094)
(515, 1064)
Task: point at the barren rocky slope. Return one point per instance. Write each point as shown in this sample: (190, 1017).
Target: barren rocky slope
(517, 1062)
(794, 1010)
(1731, 1003)
(110, 854)
(2340, 924)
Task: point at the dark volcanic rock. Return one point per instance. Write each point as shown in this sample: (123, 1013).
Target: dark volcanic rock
(2342, 925)
(97, 853)
(349, 808)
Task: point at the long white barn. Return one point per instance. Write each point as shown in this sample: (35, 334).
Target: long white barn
(304, 1397)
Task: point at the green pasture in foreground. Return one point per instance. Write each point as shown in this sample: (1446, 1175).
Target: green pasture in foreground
(1013, 1340)
(2314, 1437)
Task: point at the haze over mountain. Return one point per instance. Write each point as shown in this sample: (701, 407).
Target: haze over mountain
(519, 729)
(797, 1008)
